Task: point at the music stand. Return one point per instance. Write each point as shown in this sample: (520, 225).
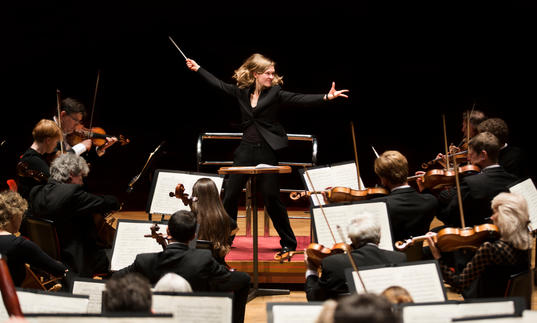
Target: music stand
(252, 171)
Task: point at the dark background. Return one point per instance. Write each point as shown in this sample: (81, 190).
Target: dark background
(405, 64)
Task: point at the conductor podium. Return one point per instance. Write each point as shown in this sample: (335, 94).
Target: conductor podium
(252, 171)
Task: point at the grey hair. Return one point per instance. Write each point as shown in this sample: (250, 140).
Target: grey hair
(172, 282)
(66, 165)
(512, 219)
(363, 229)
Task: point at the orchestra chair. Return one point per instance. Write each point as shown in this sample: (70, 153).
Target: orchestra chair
(43, 281)
(520, 285)
(43, 233)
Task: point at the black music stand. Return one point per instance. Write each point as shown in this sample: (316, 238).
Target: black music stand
(252, 171)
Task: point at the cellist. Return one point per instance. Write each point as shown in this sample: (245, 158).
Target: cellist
(488, 271)
(364, 233)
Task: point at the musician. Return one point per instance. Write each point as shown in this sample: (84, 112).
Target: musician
(260, 96)
(410, 212)
(34, 162)
(197, 266)
(513, 159)
(20, 251)
(364, 233)
(126, 294)
(477, 191)
(64, 201)
(365, 308)
(72, 112)
(215, 224)
(487, 273)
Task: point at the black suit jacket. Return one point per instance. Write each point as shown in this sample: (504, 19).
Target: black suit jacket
(514, 161)
(197, 266)
(72, 209)
(333, 283)
(410, 212)
(477, 192)
(265, 116)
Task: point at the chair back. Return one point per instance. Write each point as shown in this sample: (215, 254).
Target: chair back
(43, 233)
(520, 285)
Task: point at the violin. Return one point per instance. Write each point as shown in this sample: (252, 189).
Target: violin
(460, 156)
(450, 239)
(180, 194)
(158, 236)
(343, 194)
(438, 179)
(97, 135)
(23, 170)
(317, 252)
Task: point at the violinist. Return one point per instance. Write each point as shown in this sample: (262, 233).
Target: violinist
(512, 158)
(33, 167)
(487, 273)
(364, 233)
(410, 212)
(63, 200)
(215, 224)
(259, 95)
(477, 191)
(72, 112)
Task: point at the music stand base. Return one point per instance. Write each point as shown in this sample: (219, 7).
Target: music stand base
(254, 292)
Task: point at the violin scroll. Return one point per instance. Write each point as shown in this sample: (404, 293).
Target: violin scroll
(158, 236)
(180, 194)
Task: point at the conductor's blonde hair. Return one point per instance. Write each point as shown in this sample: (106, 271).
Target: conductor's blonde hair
(256, 63)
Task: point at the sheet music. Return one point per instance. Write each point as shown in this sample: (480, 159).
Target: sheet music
(100, 319)
(446, 312)
(166, 182)
(130, 241)
(342, 214)
(194, 309)
(528, 190)
(32, 302)
(295, 313)
(331, 176)
(422, 281)
(511, 319)
(93, 289)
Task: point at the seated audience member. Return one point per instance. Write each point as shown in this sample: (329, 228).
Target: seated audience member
(197, 266)
(20, 251)
(477, 191)
(487, 273)
(126, 294)
(410, 212)
(513, 159)
(364, 233)
(33, 166)
(172, 282)
(365, 308)
(215, 224)
(397, 295)
(64, 201)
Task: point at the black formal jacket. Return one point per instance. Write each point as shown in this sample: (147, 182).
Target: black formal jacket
(515, 161)
(72, 209)
(410, 212)
(265, 115)
(35, 162)
(197, 266)
(333, 283)
(477, 192)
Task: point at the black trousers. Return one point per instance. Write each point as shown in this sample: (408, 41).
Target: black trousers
(249, 154)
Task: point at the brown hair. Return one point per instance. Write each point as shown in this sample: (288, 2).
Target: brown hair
(497, 127)
(46, 129)
(256, 63)
(488, 142)
(397, 295)
(214, 222)
(393, 166)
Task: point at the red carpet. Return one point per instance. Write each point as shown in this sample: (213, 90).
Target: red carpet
(242, 248)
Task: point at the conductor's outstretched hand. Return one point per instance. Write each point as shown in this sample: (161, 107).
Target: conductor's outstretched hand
(192, 65)
(333, 93)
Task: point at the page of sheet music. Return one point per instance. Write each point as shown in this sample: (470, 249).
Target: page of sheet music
(295, 313)
(194, 309)
(512, 319)
(528, 190)
(47, 303)
(166, 182)
(94, 290)
(422, 281)
(342, 214)
(130, 241)
(445, 312)
(331, 176)
(82, 319)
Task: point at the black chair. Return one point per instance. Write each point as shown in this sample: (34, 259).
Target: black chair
(520, 285)
(43, 233)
